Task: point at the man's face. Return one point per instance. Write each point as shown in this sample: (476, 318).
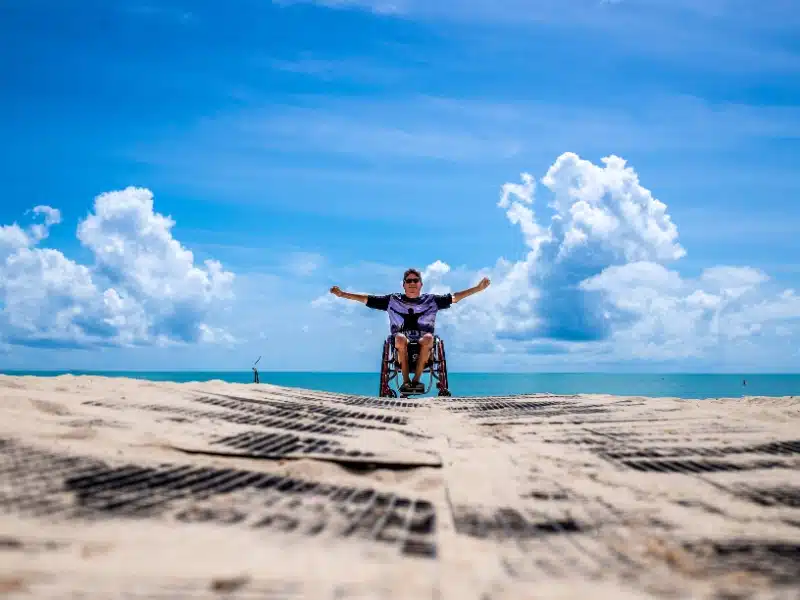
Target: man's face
(412, 285)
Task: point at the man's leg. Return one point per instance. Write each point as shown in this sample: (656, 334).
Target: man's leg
(425, 345)
(401, 343)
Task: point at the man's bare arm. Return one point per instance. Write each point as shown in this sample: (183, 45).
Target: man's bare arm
(349, 296)
(482, 285)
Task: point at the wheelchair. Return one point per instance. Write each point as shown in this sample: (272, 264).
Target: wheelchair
(391, 372)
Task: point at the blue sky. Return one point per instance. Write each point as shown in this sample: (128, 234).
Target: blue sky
(299, 145)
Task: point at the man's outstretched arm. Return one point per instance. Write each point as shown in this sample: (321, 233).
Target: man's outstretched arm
(348, 296)
(482, 285)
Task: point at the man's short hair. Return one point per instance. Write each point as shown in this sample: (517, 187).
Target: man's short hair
(410, 271)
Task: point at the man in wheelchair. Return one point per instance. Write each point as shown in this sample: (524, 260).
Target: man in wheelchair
(412, 317)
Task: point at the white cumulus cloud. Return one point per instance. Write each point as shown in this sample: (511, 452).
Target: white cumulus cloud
(600, 216)
(143, 287)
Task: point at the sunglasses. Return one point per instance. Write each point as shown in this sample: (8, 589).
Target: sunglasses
(412, 280)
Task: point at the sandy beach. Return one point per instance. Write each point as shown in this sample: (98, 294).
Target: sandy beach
(115, 487)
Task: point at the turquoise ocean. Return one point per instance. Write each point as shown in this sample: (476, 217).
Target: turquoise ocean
(498, 384)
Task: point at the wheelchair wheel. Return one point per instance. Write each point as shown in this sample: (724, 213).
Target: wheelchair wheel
(384, 391)
(441, 369)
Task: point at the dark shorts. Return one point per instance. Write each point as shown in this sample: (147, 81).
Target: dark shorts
(414, 347)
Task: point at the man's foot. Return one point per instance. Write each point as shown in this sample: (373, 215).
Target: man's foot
(406, 387)
(418, 386)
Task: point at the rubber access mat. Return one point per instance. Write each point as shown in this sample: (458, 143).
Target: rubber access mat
(289, 425)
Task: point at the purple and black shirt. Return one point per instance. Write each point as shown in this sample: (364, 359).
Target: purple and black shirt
(412, 317)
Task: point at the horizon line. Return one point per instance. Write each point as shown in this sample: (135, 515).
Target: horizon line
(301, 372)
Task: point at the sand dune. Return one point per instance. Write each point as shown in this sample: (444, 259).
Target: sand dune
(114, 487)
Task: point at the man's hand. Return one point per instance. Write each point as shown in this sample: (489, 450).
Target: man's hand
(336, 291)
(483, 284)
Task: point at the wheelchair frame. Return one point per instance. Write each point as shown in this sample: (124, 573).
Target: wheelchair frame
(390, 368)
